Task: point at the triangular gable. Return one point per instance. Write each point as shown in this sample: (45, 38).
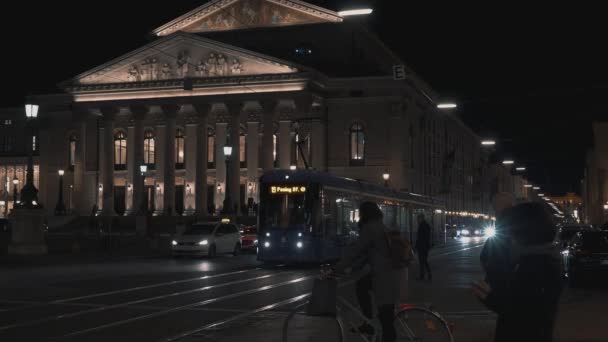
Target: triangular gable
(223, 15)
(182, 56)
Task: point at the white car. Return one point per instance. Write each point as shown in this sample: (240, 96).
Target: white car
(208, 239)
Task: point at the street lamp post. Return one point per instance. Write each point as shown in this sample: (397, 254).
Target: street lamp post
(29, 193)
(142, 201)
(386, 176)
(60, 207)
(227, 200)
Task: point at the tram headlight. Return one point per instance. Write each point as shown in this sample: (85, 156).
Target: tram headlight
(267, 244)
(490, 232)
(300, 245)
(465, 232)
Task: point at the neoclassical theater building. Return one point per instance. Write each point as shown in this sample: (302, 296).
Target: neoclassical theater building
(285, 83)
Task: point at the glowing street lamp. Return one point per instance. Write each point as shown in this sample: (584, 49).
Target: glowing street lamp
(227, 199)
(386, 176)
(354, 12)
(60, 207)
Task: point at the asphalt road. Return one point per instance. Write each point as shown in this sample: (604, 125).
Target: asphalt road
(233, 299)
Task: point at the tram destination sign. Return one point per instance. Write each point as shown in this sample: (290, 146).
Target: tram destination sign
(287, 190)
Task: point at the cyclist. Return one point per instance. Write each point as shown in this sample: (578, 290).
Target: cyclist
(383, 278)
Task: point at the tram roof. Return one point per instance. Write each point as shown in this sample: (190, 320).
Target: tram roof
(307, 177)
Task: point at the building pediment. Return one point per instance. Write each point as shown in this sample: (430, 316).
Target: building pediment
(223, 15)
(182, 56)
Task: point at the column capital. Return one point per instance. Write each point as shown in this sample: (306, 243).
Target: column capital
(109, 112)
(170, 110)
(269, 106)
(254, 114)
(139, 112)
(235, 108)
(202, 109)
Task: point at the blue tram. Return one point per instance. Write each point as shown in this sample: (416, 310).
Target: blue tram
(308, 216)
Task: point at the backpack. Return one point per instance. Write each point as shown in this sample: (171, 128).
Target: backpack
(400, 250)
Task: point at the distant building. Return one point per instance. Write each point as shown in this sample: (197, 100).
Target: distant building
(570, 204)
(595, 182)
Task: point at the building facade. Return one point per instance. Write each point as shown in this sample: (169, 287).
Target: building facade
(285, 84)
(595, 182)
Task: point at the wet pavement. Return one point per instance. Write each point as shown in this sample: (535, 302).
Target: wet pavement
(235, 299)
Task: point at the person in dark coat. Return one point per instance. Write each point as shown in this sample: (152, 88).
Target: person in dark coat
(383, 279)
(423, 246)
(527, 300)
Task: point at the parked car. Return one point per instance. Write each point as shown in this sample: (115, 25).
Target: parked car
(587, 255)
(208, 239)
(567, 232)
(249, 238)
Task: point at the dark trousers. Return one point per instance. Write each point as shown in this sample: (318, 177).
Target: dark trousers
(386, 313)
(423, 258)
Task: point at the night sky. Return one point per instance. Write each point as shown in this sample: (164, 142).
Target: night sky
(534, 78)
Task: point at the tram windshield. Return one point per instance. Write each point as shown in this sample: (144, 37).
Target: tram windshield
(286, 207)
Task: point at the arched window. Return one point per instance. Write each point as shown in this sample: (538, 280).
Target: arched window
(180, 153)
(72, 152)
(357, 144)
(149, 150)
(210, 148)
(120, 151)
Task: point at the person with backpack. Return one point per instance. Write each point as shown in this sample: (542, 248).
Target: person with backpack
(381, 252)
(423, 246)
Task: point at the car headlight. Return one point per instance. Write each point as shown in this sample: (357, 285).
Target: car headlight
(267, 244)
(465, 232)
(174, 243)
(299, 244)
(490, 232)
(204, 243)
(477, 232)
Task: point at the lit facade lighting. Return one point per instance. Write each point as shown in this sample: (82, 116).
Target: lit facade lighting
(536, 188)
(293, 167)
(521, 169)
(488, 143)
(447, 106)
(508, 162)
(541, 195)
(353, 12)
(527, 186)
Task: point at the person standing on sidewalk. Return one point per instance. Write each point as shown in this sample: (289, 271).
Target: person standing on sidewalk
(383, 279)
(527, 295)
(423, 246)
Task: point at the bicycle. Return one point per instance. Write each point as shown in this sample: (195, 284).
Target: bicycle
(412, 323)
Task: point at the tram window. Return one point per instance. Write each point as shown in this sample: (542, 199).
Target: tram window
(287, 210)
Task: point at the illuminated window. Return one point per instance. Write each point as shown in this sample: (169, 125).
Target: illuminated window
(274, 149)
(72, 152)
(149, 150)
(210, 149)
(243, 149)
(120, 151)
(179, 150)
(357, 144)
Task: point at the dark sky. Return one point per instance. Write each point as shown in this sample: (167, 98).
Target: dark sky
(532, 77)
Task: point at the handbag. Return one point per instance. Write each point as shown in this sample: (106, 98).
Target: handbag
(323, 299)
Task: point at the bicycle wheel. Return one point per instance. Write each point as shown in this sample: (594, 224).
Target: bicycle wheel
(414, 324)
(299, 327)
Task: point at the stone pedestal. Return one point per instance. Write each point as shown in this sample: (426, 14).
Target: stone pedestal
(28, 232)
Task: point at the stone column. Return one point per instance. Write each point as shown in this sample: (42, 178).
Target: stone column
(221, 127)
(160, 147)
(268, 109)
(318, 145)
(253, 139)
(284, 148)
(109, 115)
(170, 112)
(80, 193)
(137, 159)
(234, 129)
(201, 157)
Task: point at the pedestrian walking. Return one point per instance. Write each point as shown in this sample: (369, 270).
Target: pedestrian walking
(423, 246)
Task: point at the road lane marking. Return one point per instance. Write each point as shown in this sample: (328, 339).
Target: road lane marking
(145, 300)
(181, 308)
(454, 252)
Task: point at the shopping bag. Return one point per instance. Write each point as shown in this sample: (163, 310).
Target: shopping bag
(323, 298)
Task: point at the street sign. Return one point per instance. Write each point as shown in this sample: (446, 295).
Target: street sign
(399, 72)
